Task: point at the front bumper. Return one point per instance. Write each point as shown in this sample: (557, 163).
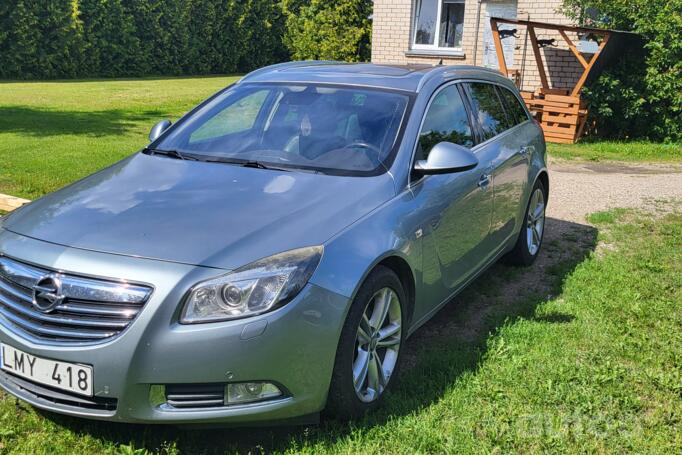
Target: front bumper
(293, 346)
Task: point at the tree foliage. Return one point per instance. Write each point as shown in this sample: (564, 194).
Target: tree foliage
(44, 39)
(329, 30)
(642, 95)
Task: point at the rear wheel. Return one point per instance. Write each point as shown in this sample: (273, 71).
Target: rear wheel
(368, 355)
(530, 238)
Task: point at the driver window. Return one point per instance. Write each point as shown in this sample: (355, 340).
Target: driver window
(445, 121)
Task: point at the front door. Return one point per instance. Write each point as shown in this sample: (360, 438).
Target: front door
(457, 207)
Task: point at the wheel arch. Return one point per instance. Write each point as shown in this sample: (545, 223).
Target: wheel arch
(401, 268)
(543, 176)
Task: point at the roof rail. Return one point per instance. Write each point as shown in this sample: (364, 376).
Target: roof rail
(287, 65)
(452, 70)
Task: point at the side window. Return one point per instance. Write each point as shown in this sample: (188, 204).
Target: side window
(514, 108)
(445, 121)
(488, 109)
(237, 117)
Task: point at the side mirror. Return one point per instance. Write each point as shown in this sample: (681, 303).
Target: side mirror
(445, 158)
(158, 129)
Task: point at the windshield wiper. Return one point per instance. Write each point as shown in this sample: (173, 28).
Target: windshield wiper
(249, 163)
(259, 165)
(172, 154)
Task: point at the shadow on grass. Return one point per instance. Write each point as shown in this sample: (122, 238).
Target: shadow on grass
(43, 122)
(452, 343)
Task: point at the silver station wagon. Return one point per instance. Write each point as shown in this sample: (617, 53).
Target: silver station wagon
(267, 256)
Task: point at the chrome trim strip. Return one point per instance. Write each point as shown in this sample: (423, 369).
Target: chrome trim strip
(91, 310)
(7, 289)
(76, 287)
(52, 319)
(64, 333)
(98, 310)
(76, 307)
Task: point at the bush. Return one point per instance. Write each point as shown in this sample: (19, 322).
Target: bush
(639, 98)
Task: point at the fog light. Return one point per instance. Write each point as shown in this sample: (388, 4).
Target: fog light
(248, 392)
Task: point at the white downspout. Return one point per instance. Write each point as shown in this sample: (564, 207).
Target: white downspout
(478, 24)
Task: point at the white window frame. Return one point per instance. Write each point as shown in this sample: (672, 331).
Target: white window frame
(436, 40)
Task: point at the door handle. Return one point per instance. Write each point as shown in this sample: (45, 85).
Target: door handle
(526, 149)
(484, 181)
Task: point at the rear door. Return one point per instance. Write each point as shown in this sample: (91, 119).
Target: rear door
(506, 143)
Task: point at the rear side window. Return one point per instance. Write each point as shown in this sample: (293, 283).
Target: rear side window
(445, 121)
(515, 110)
(488, 109)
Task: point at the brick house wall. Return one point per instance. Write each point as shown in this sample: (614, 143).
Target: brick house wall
(392, 39)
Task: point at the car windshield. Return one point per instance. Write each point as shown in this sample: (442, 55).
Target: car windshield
(324, 128)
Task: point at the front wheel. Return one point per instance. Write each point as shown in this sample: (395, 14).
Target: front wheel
(368, 355)
(528, 244)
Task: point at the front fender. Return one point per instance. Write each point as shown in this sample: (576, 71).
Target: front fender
(352, 254)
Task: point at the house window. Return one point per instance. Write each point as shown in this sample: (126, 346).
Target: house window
(438, 24)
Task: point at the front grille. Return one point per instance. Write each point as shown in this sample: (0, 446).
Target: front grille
(195, 395)
(54, 396)
(91, 310)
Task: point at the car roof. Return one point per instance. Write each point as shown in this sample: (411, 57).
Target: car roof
(397, 77)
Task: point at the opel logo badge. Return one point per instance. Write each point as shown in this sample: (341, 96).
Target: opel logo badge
(47, 293)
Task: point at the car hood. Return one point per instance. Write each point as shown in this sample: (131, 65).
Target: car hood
(198, 213)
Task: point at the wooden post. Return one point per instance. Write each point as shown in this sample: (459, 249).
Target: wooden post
(498, 47)
(583, 78)
(538, 56)
(574, 49)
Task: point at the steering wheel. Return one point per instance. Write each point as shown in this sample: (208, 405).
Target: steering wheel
(368, 148)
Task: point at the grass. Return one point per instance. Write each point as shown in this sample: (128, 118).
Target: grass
(53, 133)
(593, 365)
(588, 362)
(634, 151)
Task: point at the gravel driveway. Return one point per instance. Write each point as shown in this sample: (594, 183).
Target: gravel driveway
(578, 189)
(506, 293)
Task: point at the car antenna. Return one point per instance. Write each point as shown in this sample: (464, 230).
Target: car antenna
(440, 62)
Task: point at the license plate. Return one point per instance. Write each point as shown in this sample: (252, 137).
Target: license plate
(74, 377)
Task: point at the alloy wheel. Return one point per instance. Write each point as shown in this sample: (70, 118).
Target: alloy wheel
(377, 344)
(535, 221)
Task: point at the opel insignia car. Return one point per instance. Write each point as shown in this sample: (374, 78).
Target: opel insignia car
(266, 257)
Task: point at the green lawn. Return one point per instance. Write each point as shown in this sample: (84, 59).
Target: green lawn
(52, 133)
(591, 365)
(594, 366)
(618, 151)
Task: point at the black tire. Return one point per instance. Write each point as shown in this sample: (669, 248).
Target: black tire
(343, 401)
(521, 255)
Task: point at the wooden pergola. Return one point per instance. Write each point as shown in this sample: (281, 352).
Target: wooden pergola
(561, 112)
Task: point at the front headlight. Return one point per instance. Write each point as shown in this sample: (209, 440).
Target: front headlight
(253, 289)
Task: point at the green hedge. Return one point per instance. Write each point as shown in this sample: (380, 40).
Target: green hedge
(45, 39)
(48, 39)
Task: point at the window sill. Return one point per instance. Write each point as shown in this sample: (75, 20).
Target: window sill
(436, 53)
